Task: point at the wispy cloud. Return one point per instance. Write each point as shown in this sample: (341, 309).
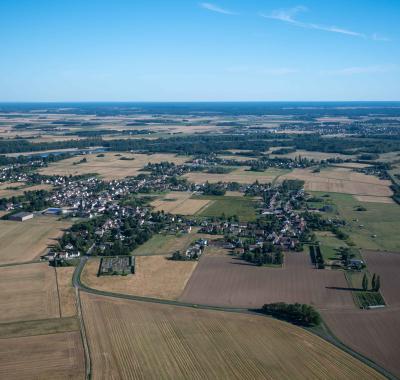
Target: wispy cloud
(216, 8)
(288, 16)
(378, 37)
(356, 70)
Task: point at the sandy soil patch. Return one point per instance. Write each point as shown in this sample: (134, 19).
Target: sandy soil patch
(229, 281)
(167, 342)
(155, 276)
(110, 166)
(26, 241)
(53, 356)
(28, 292)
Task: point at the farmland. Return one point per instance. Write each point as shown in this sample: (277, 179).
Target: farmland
(110, 166)
(229, 281)
(341, 180)
(373, 333)
(179, 202)
(53, 356)
(13, 189)
(240, 175)
(205, 344)
(376, 228)
(244, 208)
(28, 292)
(155, 276)
(26, 241)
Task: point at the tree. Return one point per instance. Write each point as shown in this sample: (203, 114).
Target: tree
(377, 283)
(365, 282)
(373, 282)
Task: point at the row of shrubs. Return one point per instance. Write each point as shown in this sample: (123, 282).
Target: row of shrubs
(299, 314)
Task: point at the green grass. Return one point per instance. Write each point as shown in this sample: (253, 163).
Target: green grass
(380, 219)
(154, 245)
(244, 208)
(366, 299)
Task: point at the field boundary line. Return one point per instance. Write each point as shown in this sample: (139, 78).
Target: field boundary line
(58, 292)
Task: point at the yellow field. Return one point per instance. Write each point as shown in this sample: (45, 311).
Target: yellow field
(111, 166)
(20, 188)
(155, 276)
(28, 292)
(240, 175)
(179, 202)
(341, 180)
(26, 241)
(374, 199)
(317, 156)
(53, 356)
(66, 291)
(134, 340)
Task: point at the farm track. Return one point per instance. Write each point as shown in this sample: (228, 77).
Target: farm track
(324, 333)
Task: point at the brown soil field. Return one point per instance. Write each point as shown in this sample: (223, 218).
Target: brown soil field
(179, 202)
(387, 266)
(53, 356)
(374, 199)
(135, 340)
(26, 241)
(240, 175)
(341, 180)
(229, 281)
(28, 292)
(155, 276)
(22, 187)
(109, 167)
(66, 291)
(373, 333)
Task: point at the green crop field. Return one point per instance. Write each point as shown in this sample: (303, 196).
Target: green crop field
(244, 208)
(376, 228)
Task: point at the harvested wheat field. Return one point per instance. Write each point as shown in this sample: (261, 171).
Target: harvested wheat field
(373, 333)
(155, 276)
(66, 291)
(53, 356)
(28, 292)
(317, 156)
(341, 180)
(135, 340)
(387, 266)
(374, 199)
(26, 241)
(110, 166)
(179, 202)
(240, 175)
(229, 281)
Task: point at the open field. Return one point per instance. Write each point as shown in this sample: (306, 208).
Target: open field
(373, 333)
(240, 175)
(26, 241)
(229, 281)
(66, 291)
(161, 244)
(53, 356)
(156, 341)
(179, 202)
(110, 166)
(374, 199)
(244, 208)
(317, 156)
(386, 265)
(376, 228)
(28, 292)
(341, 180)
(11, 189)
(155, 276)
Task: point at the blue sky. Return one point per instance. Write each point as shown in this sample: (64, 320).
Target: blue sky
(170, 50)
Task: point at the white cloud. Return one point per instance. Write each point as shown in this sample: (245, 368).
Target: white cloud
(288, 16)
(355, 70)
(216, 8)
(378, 37)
